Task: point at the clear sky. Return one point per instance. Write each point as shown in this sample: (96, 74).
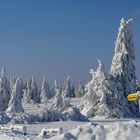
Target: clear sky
(56, 38)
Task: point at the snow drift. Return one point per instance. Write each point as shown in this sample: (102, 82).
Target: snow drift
(93, 131)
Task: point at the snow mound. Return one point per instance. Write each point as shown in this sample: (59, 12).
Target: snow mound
(93, 131)
(73, 113)
(44, 115)
(40, 116)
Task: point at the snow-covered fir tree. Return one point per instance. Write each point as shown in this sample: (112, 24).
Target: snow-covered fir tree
(72, 90)
(94, 101)
(68, 90)
(60, 102)
(57, 103)
(120, 82)
(4, 90)
(123, 68)
(27, 92)
(15, 103)
(12, 82)
(34, 91)
(45, 91)
(55, 86)
(80, 91)
(118, 104)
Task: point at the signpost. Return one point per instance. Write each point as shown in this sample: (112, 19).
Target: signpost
(134, 97)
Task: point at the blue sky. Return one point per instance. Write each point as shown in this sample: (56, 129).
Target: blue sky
(56, 38)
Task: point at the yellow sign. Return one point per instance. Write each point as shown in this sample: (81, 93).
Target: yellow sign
(133, 97)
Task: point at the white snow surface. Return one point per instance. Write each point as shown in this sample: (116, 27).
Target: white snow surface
(96, 129)
(104, 131)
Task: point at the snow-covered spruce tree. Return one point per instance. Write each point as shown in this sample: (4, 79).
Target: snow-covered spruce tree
(123, 68)
(12, 83)
(15, 103)
(72, 90)
(4, 90)
(45, 91)
(68, 90)
(27, 92)
(34, 91)
(80, 92)
(94, 101)
(60, 102)
(57, 103)
(55, 86)
(118, 104)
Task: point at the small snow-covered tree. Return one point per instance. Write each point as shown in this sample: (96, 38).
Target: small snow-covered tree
(80, 92)
(4, 90)
(27, 92)
(34, 92)
(12, 82)
(94, 101)
(68, 90)
(73, 90)
(123, 68)
(45, 91)
(15, 103)
(60, 102)
(55, 86)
